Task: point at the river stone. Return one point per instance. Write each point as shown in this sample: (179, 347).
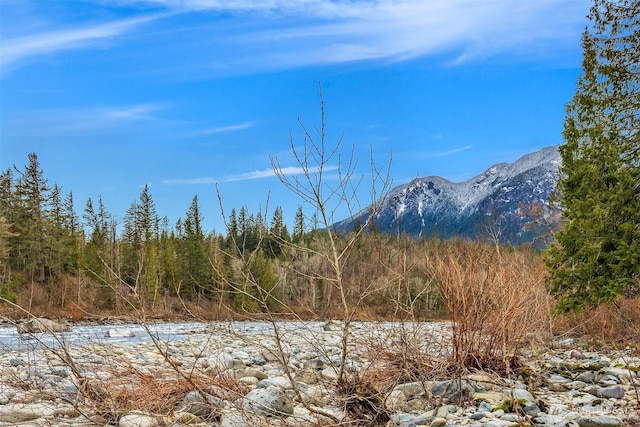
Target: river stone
(453, 391)
(314, 395)
(315, 363)
(491, 397)
(532, 409)
(40, 324)
(234, 420)
(574, 385)
(217, 362)
(119, 333)
(598, 421)
(268, 401)
(522, 394)
(20, 413)
(410, 389)
(550, 420)
(245, 419)
(329, 373)
(280, 381)
(609, 380)
(477, 416)
(624, 376)
(614, 391)
(250, 381)
(194, 403)
(256, 373)
(407, 420)
(333, 326)
(138, 420)
(587, 377)
(396, 401)
(270, 355)
(16, 362)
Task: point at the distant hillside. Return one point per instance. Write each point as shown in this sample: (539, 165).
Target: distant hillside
(434, 206)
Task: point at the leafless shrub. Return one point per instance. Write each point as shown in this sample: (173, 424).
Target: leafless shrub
(617, 322)
(497, 302)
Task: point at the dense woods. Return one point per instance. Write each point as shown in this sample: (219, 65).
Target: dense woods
(52, 256)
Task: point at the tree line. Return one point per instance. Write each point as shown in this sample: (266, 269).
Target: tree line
(257, 265)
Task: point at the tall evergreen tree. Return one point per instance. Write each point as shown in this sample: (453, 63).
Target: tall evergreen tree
(57, 240)
(298, 226)
(131, 247)
(33, 198)
(6, 194)
(6, 288)
(149, 221)
(197, 269)
(73, 232)
(169, 266)
(98, 257)
(232, 229)
(7, 215)
(597, 252)
(278, 235)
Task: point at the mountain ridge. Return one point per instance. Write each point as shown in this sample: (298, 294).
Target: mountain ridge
(433, 206)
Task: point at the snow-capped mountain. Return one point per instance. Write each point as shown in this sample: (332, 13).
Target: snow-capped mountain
(489, 202)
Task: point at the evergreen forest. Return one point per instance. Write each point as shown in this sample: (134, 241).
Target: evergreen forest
(51, 259)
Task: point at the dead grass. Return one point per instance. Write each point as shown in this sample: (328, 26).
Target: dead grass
(617, 322)
(158, 392)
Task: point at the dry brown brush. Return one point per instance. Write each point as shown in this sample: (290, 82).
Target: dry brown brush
(497, 302)
(617, 322)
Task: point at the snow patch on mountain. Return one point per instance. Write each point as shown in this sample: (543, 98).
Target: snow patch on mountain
(436, 206)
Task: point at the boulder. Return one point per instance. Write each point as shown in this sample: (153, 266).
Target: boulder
(454, 391)
(614, 391)
(119, 333)
(205, 407)
(21, 413)
(138, 420)
(598, 421)
(268, 401)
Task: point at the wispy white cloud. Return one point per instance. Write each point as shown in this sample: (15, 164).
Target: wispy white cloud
(14, 50)
(189, 181)
(283, 34)
(305, 32)
(268, 173)
(223, 129)
(433, 155)
(77, 121)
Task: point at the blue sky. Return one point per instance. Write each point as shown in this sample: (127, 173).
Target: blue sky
(183, 94)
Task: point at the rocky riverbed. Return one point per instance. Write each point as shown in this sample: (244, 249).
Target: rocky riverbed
(246, 374)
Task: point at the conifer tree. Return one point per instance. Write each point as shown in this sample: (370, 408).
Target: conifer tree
(6, 194)
(31, 209)
(73, 233)
(298, 226)
(278, 235)
(98, 260)
(169, 266)
(232, 231)
(197, 269)
(597, 255)
(57, 241)
(8, 235)
(6, 288)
